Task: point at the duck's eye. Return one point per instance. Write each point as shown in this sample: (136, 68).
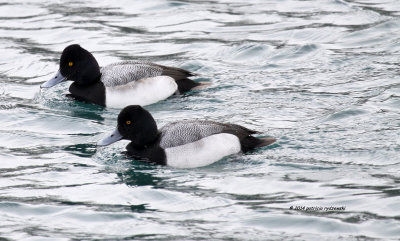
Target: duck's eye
(70, 64)
(128, 122)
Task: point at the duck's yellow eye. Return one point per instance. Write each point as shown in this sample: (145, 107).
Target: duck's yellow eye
(128, 122)
(70, 63)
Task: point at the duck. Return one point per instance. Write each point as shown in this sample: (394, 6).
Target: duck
(180, 144)
(119, 84)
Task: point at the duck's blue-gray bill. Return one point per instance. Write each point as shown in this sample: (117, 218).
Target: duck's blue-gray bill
(114, 137)
(55, 80)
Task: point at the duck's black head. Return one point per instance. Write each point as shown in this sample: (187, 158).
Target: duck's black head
(76, 64)
(135, 124)
(79, 65)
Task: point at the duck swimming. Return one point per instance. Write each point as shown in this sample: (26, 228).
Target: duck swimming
(119, 84)
(181, 144)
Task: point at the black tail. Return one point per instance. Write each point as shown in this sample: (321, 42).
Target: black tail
(181, 78)
(265, 141)
(186, 84)
(176, 73)
(250, 142)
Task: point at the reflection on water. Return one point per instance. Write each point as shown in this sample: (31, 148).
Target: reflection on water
(321, 77)
(139, 174)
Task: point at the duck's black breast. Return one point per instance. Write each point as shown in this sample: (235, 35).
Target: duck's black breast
(94, 93)
(154, 153)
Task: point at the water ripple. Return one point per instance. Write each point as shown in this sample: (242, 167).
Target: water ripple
(321, 77)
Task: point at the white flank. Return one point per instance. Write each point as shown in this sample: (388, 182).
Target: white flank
(141, 92)
(203, 152)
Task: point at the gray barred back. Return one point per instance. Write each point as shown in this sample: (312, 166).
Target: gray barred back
(124, 72)
(184, 132)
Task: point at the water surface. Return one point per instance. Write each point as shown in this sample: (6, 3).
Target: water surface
(321, 76)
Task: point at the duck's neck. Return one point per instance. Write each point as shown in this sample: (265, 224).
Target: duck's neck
(151, 139)
(89, 80)
(150, 153)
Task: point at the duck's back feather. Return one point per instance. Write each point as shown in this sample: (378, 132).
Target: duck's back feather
(128, 71)
(184, 132)
(125, 72)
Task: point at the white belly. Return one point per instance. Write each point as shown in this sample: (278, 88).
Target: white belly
(203, 152)
(142, 92)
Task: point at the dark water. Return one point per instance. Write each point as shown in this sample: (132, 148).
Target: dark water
(321, 76)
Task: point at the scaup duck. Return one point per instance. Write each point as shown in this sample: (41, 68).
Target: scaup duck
(119, 84)
(181, 144)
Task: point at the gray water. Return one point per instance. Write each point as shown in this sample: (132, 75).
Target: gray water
(320, 76)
